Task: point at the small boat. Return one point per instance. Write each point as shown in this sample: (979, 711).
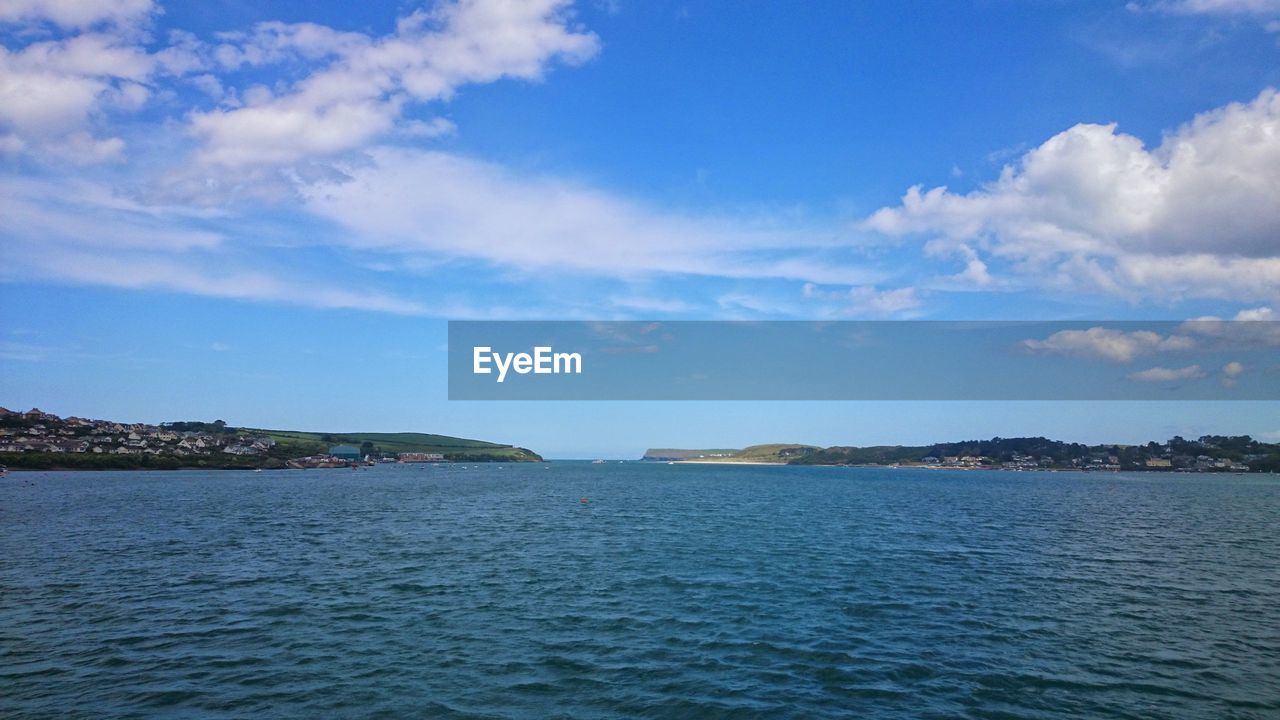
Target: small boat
(597, 462)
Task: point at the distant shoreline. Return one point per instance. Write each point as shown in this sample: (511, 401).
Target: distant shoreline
(1208, 453)
(719, 462)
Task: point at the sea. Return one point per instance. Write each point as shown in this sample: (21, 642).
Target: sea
(637, 590)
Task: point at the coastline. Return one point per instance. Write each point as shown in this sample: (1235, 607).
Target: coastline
(723, 462)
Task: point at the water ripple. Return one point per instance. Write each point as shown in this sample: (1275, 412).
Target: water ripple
(676, 592)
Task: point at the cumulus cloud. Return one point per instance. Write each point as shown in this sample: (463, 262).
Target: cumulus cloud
(49, 92)
(1092, 208)
(54, 93)
(1164, 375)
(1108, 344)
(361, 94)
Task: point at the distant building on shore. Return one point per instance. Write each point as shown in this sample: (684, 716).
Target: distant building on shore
(421, 457)
(345, 452)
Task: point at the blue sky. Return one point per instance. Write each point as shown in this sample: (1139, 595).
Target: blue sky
(267, 212)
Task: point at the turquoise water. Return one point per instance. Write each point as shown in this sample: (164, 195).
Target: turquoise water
(676, 591)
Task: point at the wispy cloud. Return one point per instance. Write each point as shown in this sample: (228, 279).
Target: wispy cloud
(142, 272)
(23, 352)
(867, 300)
(1210, 7)
(421, 202)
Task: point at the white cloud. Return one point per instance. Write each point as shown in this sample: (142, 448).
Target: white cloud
(1253, 327)
(23, 352)
(432, 203)
(76, 13)
(1262, 314)
(865, 300)
(647, 304)
(872, 301)
(82, 233)
(207, 276)
(741, 306)
(975, 273)
(55, 93)
(435, 127)
(1108, 344)
(1089, 208)
(1214, 7)
(368, 82)
(50, 90)
(273, 42)
(89, 216)
(1092, 209)
(1163, 374)
(1231, 373)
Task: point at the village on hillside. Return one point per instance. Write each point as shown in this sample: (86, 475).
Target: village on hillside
(42, 432)
(49, 440)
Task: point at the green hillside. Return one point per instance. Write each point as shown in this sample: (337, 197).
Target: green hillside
(301, 443)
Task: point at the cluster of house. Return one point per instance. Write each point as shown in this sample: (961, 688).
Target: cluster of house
(1205, 463)
(42, 432)
(349, 455)
(965, 461)
(1183, 463)
(414, 457)
(1015, 462)
(319, 461)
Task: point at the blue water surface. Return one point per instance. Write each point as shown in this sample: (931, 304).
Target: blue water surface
(674, 591)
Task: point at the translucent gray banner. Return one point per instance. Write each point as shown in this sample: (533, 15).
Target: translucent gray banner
(865, 360)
